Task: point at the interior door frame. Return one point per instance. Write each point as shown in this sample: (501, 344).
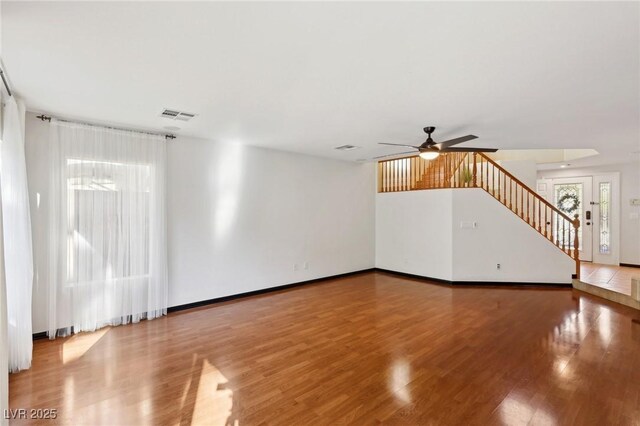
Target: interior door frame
(545, 189)
(586, 254)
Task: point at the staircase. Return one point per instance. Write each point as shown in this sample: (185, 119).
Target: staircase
(476, 170)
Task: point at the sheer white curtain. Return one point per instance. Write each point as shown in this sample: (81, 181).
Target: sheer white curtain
(107, 224)
(4, 353)
(16, 224)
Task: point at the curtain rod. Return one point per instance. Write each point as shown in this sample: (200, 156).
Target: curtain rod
(48, 118)
(5, 82)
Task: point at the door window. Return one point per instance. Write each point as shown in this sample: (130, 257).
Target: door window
(604, 219)
(568, 198)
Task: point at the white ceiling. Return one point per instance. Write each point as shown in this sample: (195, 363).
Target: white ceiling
(307, 77)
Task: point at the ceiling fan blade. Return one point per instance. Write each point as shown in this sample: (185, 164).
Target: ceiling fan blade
(455, 141)
(394, 155)
(398, 144)
(469, 149)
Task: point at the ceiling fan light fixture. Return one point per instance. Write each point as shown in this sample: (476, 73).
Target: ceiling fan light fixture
(430, 150)
(429, 155)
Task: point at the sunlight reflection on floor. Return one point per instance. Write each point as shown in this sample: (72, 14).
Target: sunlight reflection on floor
(400, 377)
(206, 399)
(78, 344)
(515, 410)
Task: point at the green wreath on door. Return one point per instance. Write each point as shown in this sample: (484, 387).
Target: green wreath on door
(569, 203)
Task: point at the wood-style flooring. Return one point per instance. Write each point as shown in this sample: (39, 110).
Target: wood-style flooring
(362, 349)
(612, 277)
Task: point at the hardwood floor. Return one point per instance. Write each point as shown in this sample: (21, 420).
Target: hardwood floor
(363, 349)
(612, 277)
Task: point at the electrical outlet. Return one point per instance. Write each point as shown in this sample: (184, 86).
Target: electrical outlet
(305, 265)
(497, 266)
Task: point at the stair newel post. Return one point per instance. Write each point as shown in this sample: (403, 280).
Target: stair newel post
(510, 194)
(576, 244)
(485, 173)
(393, 175)
(522, 202)
(405, 170)
(475, 169)
(470, 169)
(385, 176)
(432, 164)
(445, 162)
(456, 180)
(412, 172)
(504, 189)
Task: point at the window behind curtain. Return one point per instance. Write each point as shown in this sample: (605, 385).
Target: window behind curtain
(107, 200)
(107, 227)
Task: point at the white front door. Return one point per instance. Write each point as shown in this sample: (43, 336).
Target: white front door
(574, 196)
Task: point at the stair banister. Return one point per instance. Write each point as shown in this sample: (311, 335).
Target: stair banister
(519, 182)
(454, 170)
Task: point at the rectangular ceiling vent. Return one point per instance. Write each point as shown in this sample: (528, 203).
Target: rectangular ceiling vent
(346, 147)
(172, 114)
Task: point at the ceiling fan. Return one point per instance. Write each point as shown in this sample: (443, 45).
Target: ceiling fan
(430, 149)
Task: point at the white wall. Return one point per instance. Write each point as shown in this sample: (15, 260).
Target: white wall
(524, 170)
(238, 218)
(629, 215)
(419, 232)
(413, 232)
(501, 237)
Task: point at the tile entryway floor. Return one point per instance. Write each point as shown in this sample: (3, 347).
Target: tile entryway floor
(616, 278)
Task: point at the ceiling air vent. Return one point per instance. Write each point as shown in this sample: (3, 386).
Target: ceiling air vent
(172, 114)
(346, 147)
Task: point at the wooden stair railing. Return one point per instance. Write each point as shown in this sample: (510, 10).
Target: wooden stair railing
(412, 173)
(476, 170)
